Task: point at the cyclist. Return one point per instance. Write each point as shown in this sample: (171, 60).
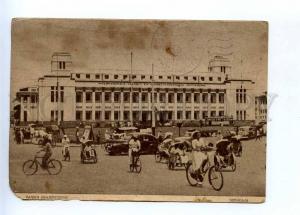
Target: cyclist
(197, 155)
(47, 149)
(134, 147)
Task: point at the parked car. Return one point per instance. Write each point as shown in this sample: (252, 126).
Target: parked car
(149, 144)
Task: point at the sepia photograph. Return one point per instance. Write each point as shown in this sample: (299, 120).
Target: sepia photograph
(138, 110)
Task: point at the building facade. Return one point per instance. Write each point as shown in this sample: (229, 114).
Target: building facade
(261, 107)
(67, 95)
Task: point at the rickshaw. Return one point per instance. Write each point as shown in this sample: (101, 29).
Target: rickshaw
(162, 153)
(224, 159)
(178, 154)
(88, 153)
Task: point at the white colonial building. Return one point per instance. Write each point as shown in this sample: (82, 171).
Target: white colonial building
(69, 95)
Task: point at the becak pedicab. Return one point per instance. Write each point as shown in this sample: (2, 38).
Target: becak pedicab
(88, 153)
(178, 154)
(162, 152)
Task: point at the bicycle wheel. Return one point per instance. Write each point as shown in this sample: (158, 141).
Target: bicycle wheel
(215, 178)
(54, 167)
(138, 165)
(157, 157)
(190, 175)
(30, 167)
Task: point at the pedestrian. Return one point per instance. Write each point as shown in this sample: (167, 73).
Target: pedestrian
(77, 135)
(99, 137)
(22, 136)
(257, 134)
(18, 136)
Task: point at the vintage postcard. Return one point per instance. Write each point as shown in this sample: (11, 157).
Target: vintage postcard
(138, 110)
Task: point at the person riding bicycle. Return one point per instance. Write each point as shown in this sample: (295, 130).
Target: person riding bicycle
(198, 156)
(134, 146)
(47, 149)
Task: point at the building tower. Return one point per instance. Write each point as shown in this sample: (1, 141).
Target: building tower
(219, 64)
(60, 66)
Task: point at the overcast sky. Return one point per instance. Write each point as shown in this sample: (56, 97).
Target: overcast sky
(178, 47)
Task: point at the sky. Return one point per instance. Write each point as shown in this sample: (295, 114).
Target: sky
(174, 47)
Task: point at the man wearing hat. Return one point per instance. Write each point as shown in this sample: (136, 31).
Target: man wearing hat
(66, 146)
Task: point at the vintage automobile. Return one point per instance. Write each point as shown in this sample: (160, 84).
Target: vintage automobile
(149, 144)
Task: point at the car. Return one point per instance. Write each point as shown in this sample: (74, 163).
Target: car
(149, 144)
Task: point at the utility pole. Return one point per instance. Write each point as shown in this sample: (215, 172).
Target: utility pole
(152, 103)
(130, 99)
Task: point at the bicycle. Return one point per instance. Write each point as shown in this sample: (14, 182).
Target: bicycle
(215, 177)
(136, 163)
(30, 167)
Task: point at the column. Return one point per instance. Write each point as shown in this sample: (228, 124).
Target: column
(175, 105)
(22, 109)
(158, 106)
(192, 104)
(184, 104)
(130, 107)
(112, 100)
(122, 105)
(140, 105)
(103, 104)
(83, 105)
(93, 104)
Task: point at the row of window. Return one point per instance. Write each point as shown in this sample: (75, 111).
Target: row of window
(241, 96)
(136, 114)
(54, 94)
(145, 97)
(241, 115)
(143, 77)
(54, 115)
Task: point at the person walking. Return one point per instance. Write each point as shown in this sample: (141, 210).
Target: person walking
(77, 135)
(257, 134)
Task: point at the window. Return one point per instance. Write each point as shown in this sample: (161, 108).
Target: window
(151, 77)
(188, 98)
(77, 75)
(144, 97)
(169, 77)
(194, 78)
(88, 76)
(52, 115)
(52, 94)
(126, 115)
(97, 115)
(205, 98)
(244, 115)
(204, 114)
(78, 115)
(97, 76)
(160, 77)
(179, 97)
(171, 98)
(196, 115)
(88, 97)
(116, 97)
(62, 96)
(125, 76)
(106, 76)
(107, 97)
(116, 76)
(179, 114)
(107, 115)
(197, 97)
(135, 97)
(133, 77)
(210, 78)
(188, 114)
(213, 98)
(213, 113)
(202, 78)
(219, 78)
(186, 78)
(116, 115)
(177, 77)
(221, 113)
(62, 115)
(162, 97)
(61, 64)
(142, 77)
(78, 97)
(97, 96)
(88, 115)
(126, 96)
(221, 98)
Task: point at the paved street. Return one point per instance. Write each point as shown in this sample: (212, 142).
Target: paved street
(110, 175)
